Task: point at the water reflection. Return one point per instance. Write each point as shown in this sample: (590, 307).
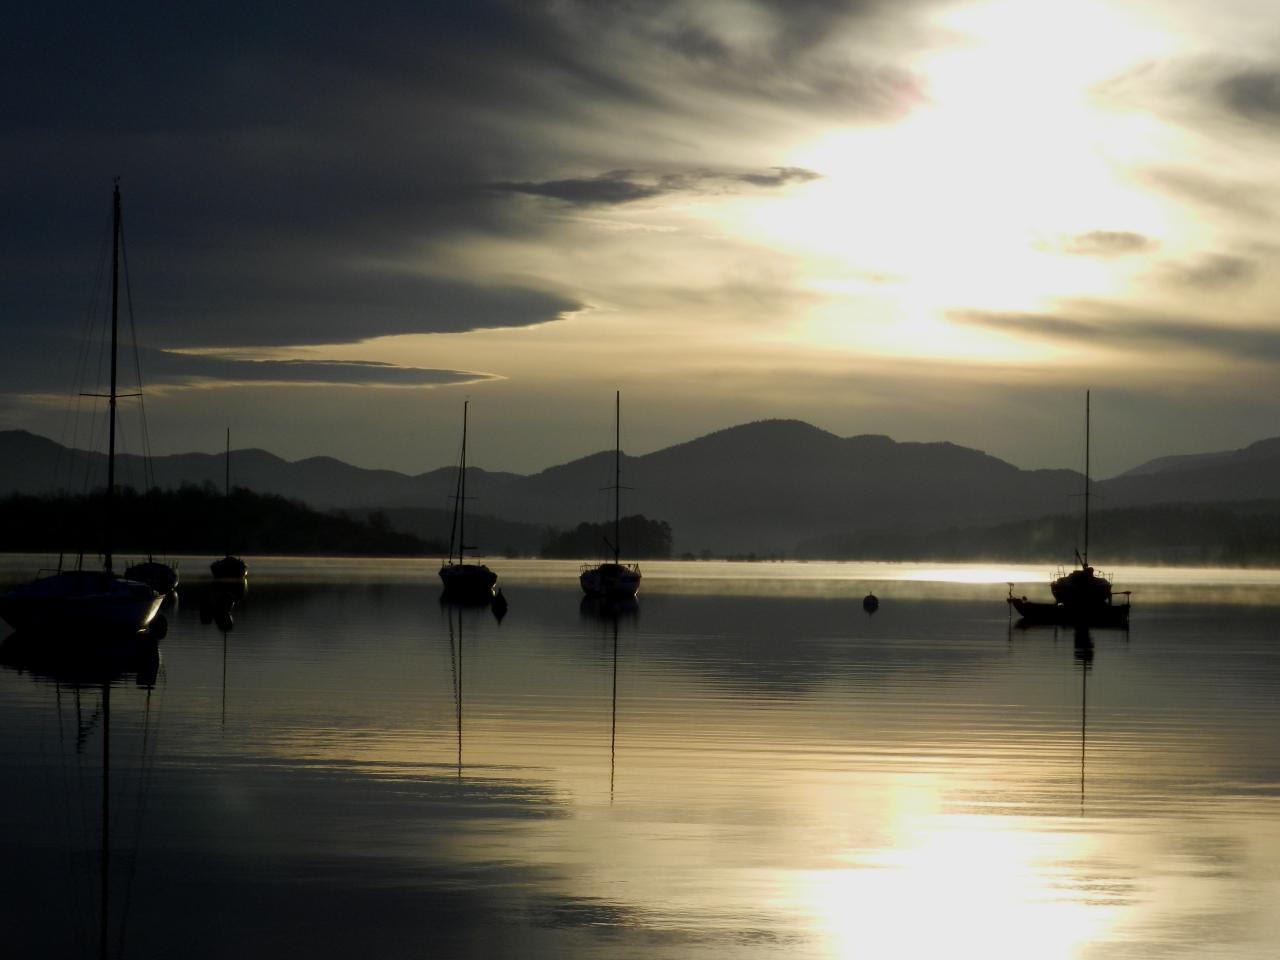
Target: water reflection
(785, 775)
(609, 611)
(77, 669)
(1083, 652)
(455, 664)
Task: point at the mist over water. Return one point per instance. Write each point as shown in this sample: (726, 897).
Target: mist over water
(745, 765)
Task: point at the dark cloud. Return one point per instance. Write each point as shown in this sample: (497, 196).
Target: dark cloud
(627, 186)
(168, 368)
(347, 307)
(300, 174)
(614, 187)
(1253, 93)
(1108, 327)
(828, 57)
(779, 176)
(70, 366)
(1216, 272)
(1107, 243)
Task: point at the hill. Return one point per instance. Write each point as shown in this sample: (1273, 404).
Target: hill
(763, 487)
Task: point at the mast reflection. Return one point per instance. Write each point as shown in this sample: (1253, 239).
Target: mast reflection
(77, 665)
(609, 611)
(1083, 653)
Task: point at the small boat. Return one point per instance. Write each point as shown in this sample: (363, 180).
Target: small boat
(229, 567)
(464, 582)
(613, 580)
(871, 603)
(89, 605)
(160, 577)
(1081, 597)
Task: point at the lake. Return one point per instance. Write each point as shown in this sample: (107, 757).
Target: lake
(745, 765)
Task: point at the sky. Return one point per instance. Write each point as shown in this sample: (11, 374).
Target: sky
(933, 220)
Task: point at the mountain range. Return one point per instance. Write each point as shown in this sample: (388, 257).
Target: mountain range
(762, 487)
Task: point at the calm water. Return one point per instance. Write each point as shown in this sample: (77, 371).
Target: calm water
(748, 765)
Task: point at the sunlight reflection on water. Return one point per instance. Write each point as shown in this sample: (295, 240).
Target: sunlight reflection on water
(747, 765)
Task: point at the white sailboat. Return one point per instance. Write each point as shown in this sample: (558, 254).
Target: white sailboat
(90, 603)
(613, 580)
(462, 581)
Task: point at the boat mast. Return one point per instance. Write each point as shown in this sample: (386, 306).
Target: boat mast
(1085, 558)
(462, 490)
(111, 397)
(226, 495)
(617, 474)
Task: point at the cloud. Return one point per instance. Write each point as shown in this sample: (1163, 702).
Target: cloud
(627, 186)
(1239, 197)
(167, 368)
(614, 187)
(1215, 272)
(300, 175)
(1104, 326)
(347, 306)
(1106, 243)
(1252, 93)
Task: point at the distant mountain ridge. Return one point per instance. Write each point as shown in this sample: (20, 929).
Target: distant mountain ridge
(764, 486)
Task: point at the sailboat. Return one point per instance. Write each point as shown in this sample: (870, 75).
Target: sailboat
(464, 582)
(229, 567)
(89, 603)
(613, 580)
(1082, 597)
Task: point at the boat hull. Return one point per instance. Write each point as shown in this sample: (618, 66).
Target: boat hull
(467, 582)
(80, 603)
(611, 581)
(160, 577)
(1032, 613)
(229, 568)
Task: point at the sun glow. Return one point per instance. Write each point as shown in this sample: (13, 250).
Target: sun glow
(968, 886)
(971, 201)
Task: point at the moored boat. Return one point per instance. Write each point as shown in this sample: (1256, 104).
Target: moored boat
(160, 577)
(1081, 597)
(229, 567)
(464, 582)
(613, 580)
(93, 605)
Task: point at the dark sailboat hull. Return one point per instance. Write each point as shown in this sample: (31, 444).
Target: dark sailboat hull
(611, 581)
(468, 582)
(80, 603)
(229, 568)
(1101, 615)
(160, 577)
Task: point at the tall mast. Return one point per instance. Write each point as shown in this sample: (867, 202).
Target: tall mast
(111, 397)
(462, 490)
(226, 495)
(1085, 558)
(617, 473)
